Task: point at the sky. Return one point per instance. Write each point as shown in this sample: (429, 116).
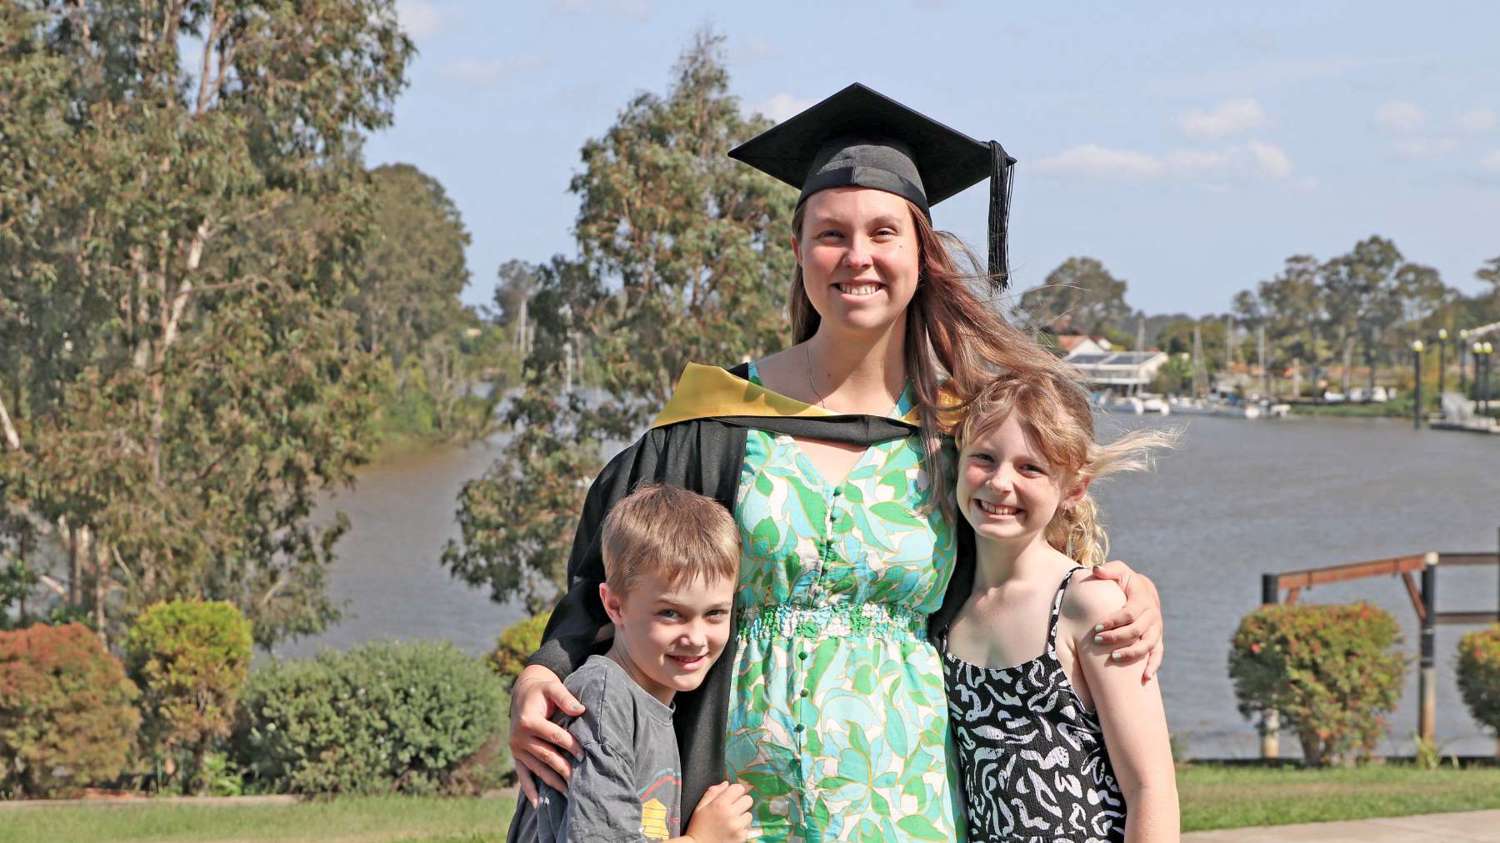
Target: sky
(1190, 147)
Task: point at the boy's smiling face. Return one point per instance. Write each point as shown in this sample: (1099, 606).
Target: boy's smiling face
(668, 638)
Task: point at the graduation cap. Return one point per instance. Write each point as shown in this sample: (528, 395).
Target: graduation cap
(859, 137)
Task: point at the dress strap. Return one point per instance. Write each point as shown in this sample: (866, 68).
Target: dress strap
(1057, 609)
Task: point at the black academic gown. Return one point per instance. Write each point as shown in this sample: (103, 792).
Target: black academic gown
(703, 455)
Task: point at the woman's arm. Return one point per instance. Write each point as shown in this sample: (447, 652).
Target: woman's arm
(1131, 714)
(1134, 629)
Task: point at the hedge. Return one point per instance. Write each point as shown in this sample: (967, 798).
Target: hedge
(384, 717)
(66, 714)
(1479, 675)
(1329, 670)
(515, 645)
(191, 660)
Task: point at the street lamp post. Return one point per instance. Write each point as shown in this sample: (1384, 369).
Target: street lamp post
(1489, 350)
(1416, 407)
(1442, 361)
(1481, 351)
(1463, 350)
(1475, 352)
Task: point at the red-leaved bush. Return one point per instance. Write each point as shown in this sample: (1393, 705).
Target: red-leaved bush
(66, 714)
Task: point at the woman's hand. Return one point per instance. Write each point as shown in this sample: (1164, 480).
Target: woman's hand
(722, 816)
(536, 743)
(1137, 625)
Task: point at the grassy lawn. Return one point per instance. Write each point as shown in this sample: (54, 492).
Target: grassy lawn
(352, 820)
(1212, 797)
(1233, 797)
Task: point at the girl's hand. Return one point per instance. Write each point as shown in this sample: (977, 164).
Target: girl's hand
(1137, 625)
(723, 815)
(536, 743)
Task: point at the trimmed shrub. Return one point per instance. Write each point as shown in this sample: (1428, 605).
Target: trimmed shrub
(1479, 675)
(383, 717)
(66, 714)
(190, 659)
(516, 644)
(1329, 670)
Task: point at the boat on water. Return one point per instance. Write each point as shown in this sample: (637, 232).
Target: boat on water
(1138, 404)
(1229, 409)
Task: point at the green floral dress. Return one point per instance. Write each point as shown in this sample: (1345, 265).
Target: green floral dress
(838, 718)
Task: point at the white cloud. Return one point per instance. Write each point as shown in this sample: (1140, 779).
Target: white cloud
(1094, 160)
(1491, 162)
(1270, 159)
(1400, 116)
(1230, 117)
(1209, 168)
(1424, 147)
(1197, 160)
(419, 18)
(487, 72)
(782, 106)
(1478, 120)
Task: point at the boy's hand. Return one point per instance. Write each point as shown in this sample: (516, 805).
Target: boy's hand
(723, 815)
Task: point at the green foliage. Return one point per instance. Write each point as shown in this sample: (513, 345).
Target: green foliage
(383, 717)
(190, 660)
(516, 644)
(682, 257)
(1329, 670)
(185, 214)
(66, 715)
(1080, 296)
(413, 268)
(1479, 675)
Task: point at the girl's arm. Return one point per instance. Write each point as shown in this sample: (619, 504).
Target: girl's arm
(1131, 713)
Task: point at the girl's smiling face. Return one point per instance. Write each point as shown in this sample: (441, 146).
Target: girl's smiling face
(859, 255)
(1007, 490)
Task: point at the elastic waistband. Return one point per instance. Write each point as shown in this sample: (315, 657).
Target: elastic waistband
(877, 620)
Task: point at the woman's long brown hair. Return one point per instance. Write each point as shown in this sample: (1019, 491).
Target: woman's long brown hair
(957, 342)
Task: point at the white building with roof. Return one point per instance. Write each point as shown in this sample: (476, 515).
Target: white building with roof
(1124, 372)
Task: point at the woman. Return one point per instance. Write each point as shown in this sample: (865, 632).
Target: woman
(828, 700)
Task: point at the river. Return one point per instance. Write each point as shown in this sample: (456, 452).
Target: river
(1236, 499)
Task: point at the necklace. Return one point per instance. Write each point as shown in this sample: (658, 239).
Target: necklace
(807, 353)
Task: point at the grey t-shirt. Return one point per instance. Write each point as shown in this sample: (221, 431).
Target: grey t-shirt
(628, 786)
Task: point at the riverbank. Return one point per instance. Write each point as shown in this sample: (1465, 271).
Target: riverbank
(1213, 797)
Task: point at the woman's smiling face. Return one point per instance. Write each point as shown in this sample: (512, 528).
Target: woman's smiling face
(860, 257)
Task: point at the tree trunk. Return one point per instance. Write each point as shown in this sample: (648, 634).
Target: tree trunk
(12, 438)
(1348, 363)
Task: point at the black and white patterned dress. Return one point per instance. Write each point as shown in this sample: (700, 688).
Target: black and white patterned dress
(1032, 757)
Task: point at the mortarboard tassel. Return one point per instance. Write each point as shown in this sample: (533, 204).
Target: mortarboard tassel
(1000, 184)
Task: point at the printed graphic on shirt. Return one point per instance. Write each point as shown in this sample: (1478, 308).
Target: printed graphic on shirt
(657, 823)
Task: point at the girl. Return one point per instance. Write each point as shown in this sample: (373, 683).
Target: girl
(1056, 739)
(828, 701)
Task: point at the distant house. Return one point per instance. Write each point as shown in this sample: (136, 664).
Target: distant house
(1079, 344)
(1124, 372)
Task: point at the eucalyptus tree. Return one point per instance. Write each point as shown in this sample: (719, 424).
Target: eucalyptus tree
(181, 375)
(683, 255)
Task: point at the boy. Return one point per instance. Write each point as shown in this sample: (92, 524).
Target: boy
(671, 566)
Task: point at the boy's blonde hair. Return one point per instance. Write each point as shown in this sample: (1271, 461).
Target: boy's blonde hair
(667, 531)
(1055, 413)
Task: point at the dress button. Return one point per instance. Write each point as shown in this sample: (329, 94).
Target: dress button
(804, 692)
(799, 728)
(837, 491)
(802, 655)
